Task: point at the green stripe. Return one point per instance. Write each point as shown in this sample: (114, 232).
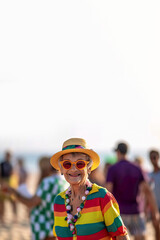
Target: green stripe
(115, 225)
(87, 229)
(63, 232)
(100, 194)
(72, 147)
(59, 200)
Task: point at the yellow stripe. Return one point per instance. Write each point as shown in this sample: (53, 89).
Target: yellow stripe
(62, 194)
(59, 221)
(54, 233)
(87, 218)
(95, 188)
(109, 205)
(110, 215)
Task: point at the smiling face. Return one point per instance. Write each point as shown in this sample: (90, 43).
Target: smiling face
(73, 175)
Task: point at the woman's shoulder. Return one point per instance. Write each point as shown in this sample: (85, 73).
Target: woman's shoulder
(60, 197)
(98, 190)
(101, 192)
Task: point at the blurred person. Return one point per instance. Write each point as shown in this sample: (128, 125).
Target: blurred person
(22, 178)
(155, 183)
(142, 200)
(124, 180)
(84, 210)
(41, 204)
(139, 161)
(7, 176)
(45, 169)
(97, 176)
(155, 175)
(109, 161)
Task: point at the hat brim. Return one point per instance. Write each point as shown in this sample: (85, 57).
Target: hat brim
(93, 155)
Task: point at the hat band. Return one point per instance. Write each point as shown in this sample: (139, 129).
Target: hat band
(72, 147)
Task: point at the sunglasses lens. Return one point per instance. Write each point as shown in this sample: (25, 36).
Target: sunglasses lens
(66, 165)
(80, 164)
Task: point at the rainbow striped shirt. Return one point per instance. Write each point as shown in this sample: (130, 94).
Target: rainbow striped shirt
(100, 218)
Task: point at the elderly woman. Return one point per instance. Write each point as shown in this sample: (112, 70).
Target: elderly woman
(84, 210)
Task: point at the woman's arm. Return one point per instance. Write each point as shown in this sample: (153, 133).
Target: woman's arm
(29, 202)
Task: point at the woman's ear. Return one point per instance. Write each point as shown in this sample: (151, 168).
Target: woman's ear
(89, 170)
(61, 171)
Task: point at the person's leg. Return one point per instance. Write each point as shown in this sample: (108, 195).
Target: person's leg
(139, 224)
(2, 210)
(156, 225)
(140, 237)
(14, 207)
(136, 225)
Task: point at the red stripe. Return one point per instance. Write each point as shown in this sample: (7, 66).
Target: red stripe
(103, 233)
(66, 238)
(108, 198)
(59, 207)
(92, 203)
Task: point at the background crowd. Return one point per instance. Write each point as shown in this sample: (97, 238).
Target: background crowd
(135, 188)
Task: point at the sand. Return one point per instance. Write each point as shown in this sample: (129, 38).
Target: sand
(20, 229)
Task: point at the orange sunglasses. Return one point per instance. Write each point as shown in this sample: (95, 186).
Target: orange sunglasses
(80, 164)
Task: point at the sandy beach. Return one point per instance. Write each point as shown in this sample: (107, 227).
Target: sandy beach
(20, 229)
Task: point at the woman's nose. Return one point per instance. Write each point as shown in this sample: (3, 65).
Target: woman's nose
(73, 166)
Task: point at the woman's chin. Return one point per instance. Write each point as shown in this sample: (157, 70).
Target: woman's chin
(74, 179)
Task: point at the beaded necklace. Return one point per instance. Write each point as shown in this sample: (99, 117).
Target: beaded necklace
(71, 220)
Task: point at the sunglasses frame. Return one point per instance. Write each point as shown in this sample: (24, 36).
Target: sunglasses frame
(75, 163)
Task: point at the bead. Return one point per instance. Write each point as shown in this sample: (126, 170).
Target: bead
(71, 227)
(86, 192)
(68, 207)
(78, 209)
(69, 216)
(83, 198)
(71, 220)
(82, 205)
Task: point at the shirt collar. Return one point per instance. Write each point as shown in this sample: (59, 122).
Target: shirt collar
(95, 188)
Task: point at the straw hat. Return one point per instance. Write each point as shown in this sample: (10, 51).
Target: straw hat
(75, 145)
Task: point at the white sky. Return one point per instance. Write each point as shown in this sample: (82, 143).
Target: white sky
(86, 69)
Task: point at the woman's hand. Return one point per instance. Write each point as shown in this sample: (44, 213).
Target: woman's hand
(126, 237)
(4, 188)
